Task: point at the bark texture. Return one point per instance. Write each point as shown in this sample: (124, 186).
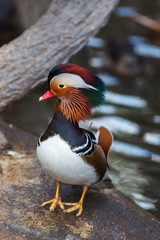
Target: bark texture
(61, 32)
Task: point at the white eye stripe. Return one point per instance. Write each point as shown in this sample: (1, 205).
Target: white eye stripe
(71, 80)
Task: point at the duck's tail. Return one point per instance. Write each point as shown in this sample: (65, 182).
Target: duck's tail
(105, 139)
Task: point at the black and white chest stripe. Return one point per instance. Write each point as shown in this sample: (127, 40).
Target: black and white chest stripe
(87, 147)
(39, 140)
(84, 149)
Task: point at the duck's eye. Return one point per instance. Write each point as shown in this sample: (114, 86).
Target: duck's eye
(61, 86)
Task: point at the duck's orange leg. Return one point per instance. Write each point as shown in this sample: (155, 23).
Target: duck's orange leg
(78, 205)
(56, 200)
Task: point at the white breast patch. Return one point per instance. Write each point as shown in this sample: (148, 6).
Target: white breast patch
(65, 165)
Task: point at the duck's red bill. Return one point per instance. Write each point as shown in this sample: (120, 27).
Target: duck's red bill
(48, 94)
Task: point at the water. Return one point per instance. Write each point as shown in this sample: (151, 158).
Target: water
(131, 110)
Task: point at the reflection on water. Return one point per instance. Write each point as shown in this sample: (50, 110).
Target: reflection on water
(156, 119)
(148, 50)
(152, 138)
(96, 43)
(130, 150)
(155, 158)
(115, 124)
(105, 109)
(125, 100)
(97, 62)
(125, 11)
(144, 202)
(131, 111)
(143, 47)
(108, 79)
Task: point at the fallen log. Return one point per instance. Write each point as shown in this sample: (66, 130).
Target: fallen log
(61, 32)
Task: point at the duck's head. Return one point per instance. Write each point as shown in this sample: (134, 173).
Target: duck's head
(77, 89)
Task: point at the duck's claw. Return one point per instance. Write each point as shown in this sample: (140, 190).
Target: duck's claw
(74, 208)
(54, 202)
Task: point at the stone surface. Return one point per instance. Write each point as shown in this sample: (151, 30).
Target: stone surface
(24, 185)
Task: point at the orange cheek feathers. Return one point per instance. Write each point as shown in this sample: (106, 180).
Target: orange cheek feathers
(60, 92)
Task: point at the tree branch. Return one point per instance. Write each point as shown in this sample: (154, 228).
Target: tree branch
(61, 32)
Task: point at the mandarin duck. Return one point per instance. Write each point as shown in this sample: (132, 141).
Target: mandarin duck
(73, 155)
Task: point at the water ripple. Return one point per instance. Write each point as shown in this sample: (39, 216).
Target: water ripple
(125, 100)
(115, 125)
(156, 119)
(137, 39)
(147, 50)
(97, 62)
(125, 11)
(108, 79)
(155, 158)
(96, 42)
(152, 138)
(144, 202)
(143, 47)
(130, 150)
(105, 109)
